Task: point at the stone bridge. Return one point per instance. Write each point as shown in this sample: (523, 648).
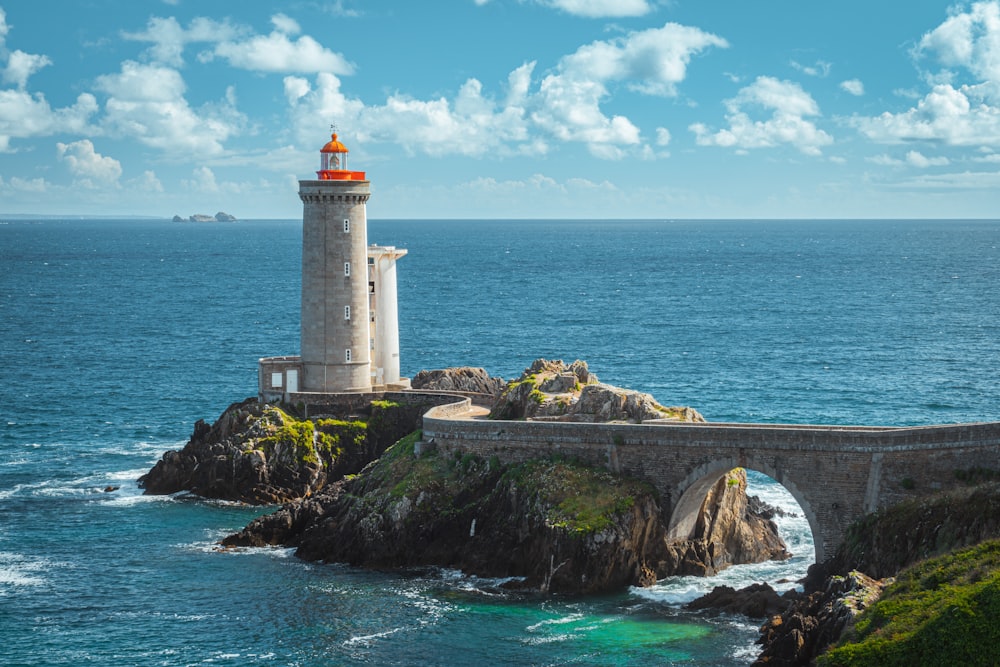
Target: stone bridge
(836, 473)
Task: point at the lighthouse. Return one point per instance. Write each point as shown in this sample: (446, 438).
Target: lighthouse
(349, 337)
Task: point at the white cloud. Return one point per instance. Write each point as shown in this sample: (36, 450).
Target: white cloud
(277, 53)
(4, 28)
(21, 65)
(600, 8)
(89, 168)
(853, 86)
(148, 182)
(912, 159)
(204, 181)
(23, 115)
(565, 105)
(169, 38)
(821, 68)
(653, 62)
(789, 106)
(916, 159)
(285, 24)
(944, 115)
(147, 102)
(963, 105)
(662, 136)
(18, 185)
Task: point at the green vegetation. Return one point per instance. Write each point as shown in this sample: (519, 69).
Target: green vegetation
(309, 443)
(290, 432)
(576, 497)
(942, 611)
(568, 495)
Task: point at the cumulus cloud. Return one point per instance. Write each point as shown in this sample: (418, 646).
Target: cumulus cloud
(89, 168)
(789, 106)
(147, 102)
(240, 46)
(470, 125)
(169, 38)
(916, 159)
(651, 62)
(21, 65)
(203, 181)
(600, 8)
(565, 105)
(23, 115)
(962, 107)
(853, 86)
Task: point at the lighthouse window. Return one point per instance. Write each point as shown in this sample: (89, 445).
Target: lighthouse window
(347, 226)
(347, 355)
(347, 312)
(347, 269)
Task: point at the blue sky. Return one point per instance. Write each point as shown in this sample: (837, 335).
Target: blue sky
(504, 108)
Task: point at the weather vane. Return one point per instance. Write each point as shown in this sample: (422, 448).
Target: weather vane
(333, 127)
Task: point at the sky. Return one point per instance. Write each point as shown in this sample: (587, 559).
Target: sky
(656, 109)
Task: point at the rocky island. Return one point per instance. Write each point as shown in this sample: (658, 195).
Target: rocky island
(358, 490)
(362, 488)
(201, 217)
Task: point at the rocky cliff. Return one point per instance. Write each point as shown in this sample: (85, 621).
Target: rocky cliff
(554, 525)
(887, 544)
(465, 379)
(261, 454)
(728, 531)
(555, 391)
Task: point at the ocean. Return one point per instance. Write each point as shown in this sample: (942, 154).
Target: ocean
(117, 335)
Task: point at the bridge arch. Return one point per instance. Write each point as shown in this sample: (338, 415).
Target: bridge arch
(690, 492)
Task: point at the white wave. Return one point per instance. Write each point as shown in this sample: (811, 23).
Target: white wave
(17, 570)
(368, 640)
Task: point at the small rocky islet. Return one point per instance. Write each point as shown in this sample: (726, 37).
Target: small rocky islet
(356, 488)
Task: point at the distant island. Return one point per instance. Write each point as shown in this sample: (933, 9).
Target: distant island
(200, 217)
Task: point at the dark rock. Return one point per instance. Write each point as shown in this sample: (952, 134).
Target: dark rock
(814, 621)
(485, 519)
(755, 601)
(726, 532)
(466, 379)
(251, 453)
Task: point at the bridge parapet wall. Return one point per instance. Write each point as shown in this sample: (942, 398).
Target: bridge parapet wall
(836, 473)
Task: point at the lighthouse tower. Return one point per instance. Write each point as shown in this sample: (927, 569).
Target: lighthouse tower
(349, 341)
(335, 336)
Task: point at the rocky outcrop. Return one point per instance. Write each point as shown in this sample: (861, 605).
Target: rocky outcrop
(554, 391)
(881, 544)
(754, 601)
(465, 379)
(257, 453)
(556, 526)
(726, 532)
(817, 620)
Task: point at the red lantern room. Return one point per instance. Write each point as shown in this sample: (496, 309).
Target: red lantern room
(333, 163)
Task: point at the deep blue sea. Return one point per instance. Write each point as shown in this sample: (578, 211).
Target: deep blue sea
(117, 335)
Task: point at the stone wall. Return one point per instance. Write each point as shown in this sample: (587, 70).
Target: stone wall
(836, 473)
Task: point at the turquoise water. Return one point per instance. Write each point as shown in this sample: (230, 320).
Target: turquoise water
(118, 335)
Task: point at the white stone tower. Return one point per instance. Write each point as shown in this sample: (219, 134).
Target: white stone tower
(350, 326)
(335, 339)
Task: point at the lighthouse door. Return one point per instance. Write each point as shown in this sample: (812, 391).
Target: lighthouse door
(292, 381)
